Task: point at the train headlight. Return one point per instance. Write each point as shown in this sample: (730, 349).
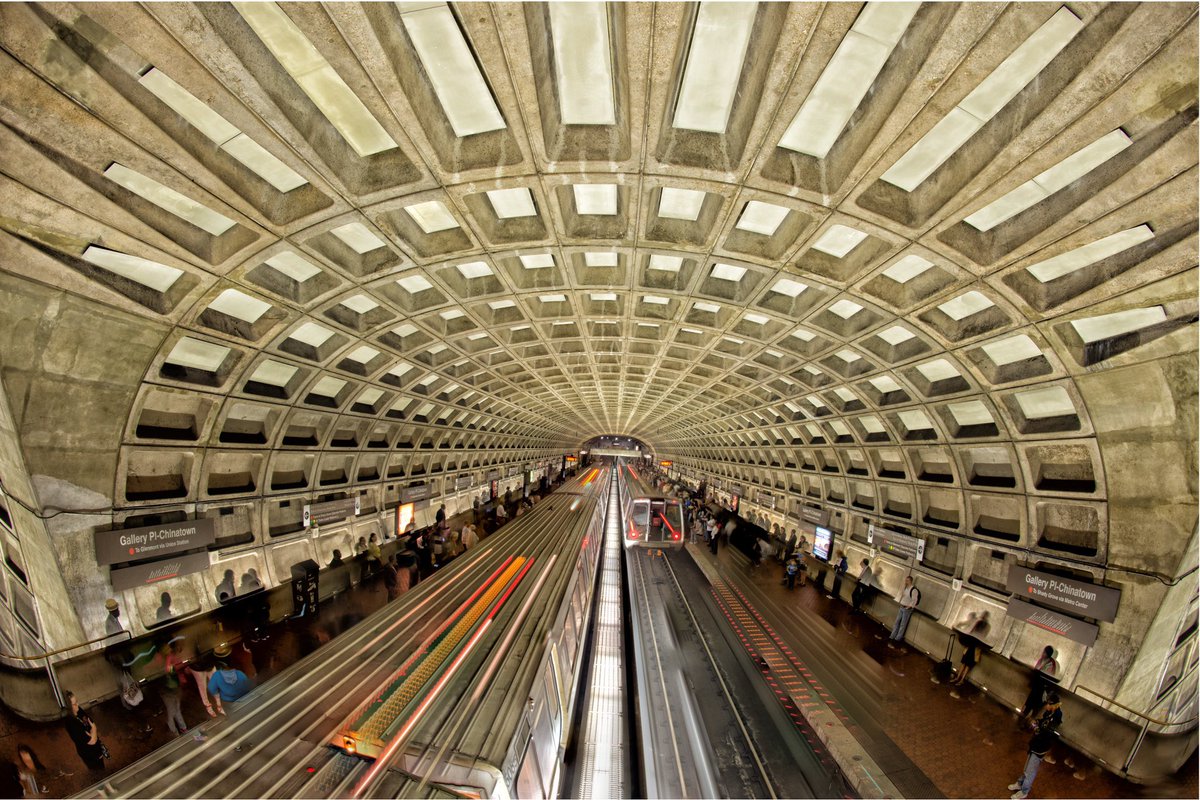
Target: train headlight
(350, 745)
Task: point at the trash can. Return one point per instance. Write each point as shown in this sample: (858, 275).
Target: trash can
(306, 596)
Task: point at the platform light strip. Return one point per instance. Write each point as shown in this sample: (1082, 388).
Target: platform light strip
(150, 274)
(1081, 257)
(169, 200)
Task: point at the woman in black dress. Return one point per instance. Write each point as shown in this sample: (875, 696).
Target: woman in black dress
(84, 734)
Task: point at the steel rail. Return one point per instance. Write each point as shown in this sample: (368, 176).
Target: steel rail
(733, 707)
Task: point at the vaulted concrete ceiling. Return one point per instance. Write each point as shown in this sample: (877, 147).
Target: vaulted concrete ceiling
(936, 262)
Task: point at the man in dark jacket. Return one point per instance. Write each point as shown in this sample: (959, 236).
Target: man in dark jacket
(1045, 732)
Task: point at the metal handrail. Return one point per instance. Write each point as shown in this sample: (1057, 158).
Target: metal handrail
(1139, 714)
(47, 654)
(1147, 721)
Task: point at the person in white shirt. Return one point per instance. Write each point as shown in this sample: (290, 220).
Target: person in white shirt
(469, 539)
(908, 599)
(112, 622)
(866, 580)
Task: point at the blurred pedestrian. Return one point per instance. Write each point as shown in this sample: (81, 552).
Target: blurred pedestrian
(391, 579)
(374, 555)
(227, 684)
(30, 770)
(976, 629)
(11, 784)
(1045, 673)
(469, 537)
(201, 669)
(171, 690)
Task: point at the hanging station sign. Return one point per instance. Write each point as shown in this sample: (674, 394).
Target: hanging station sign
(411, 494)
(896, 544)
(332, 511)
(1064, 594)
(154, 541)
(816, 516)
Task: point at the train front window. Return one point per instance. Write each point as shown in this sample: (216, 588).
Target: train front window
(641, 514)
(673, 517)
(656, 516)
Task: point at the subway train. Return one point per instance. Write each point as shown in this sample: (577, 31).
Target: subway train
(484, 706)
(464, 686)
(651, 518)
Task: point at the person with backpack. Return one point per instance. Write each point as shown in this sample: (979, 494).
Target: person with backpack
(909, 598)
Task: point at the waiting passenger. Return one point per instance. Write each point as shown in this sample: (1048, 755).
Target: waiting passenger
(227, 684)
(1045, 675)
(29, 770)
(469, 537)
(839, 570)
(909, 598)
(112, 621)
(336, 561)
(501, 515)
(85, 735)
(865, 581)
(391, 579)
(789, 570)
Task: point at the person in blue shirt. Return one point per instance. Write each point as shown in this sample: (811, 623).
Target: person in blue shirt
(227, 683)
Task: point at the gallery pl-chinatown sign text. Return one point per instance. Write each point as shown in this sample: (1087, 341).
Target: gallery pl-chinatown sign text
(154, 541)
